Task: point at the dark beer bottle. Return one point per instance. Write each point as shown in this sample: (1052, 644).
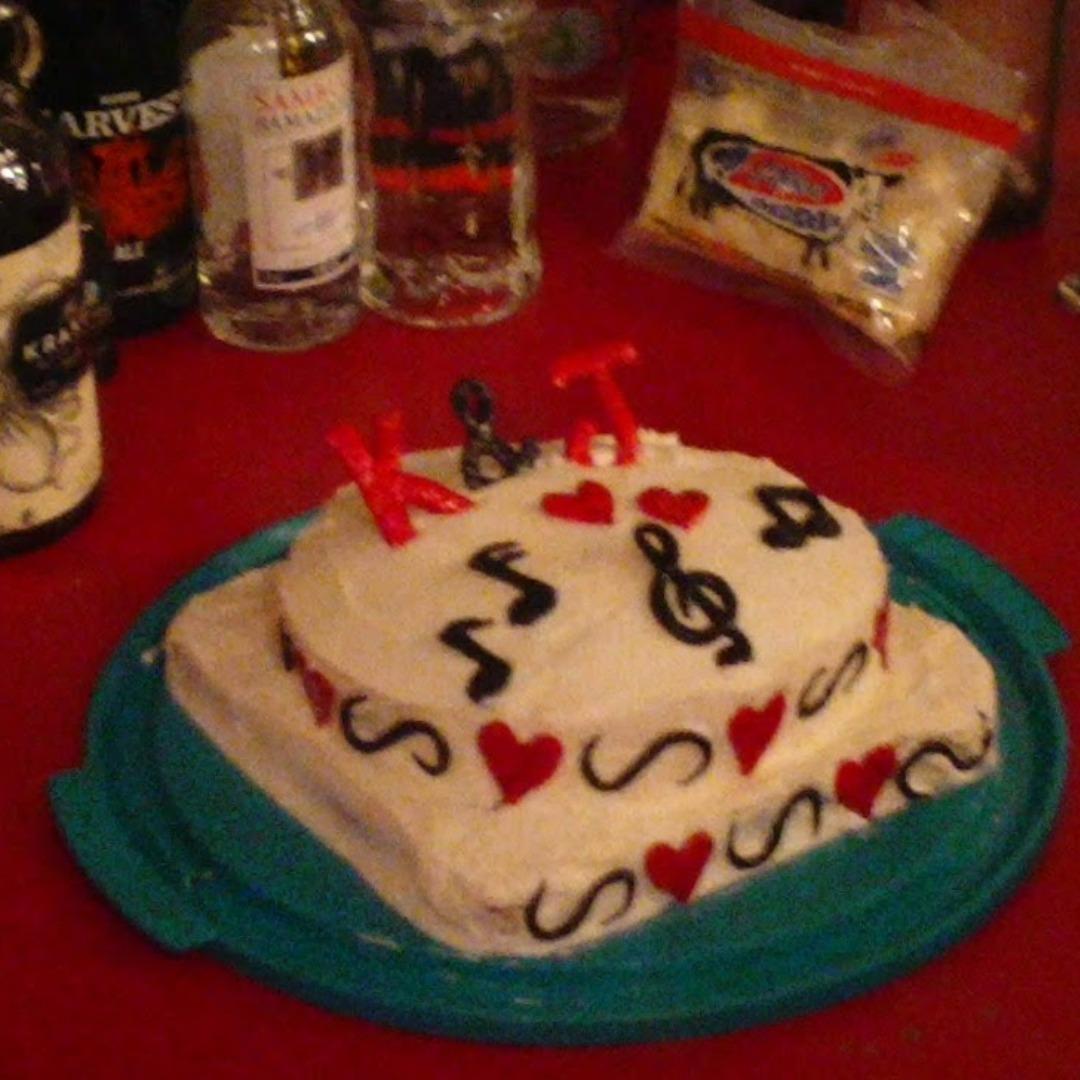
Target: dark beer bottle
(111, 76)
(50, 442)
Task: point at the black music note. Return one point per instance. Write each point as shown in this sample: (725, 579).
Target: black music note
(395, 733)
(475, 406)
(625, 878)
(677, 595)
(788, 532)
(537, 597)
(657, 747)
(492, 672)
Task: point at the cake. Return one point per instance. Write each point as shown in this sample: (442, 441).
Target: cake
(536, 695)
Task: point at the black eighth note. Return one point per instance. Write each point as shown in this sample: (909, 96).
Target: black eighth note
(492, 672)
(693, 606)
(788, 531)
(536, 597)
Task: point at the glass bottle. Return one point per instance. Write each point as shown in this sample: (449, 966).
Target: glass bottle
(274, 93)
(580, 71)
(111, 75)
(50, 441)
(453, 162)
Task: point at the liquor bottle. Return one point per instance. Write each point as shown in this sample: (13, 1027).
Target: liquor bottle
(50, 442)
(274, 92)
(453, 162)
(111, 76)
(580, 71)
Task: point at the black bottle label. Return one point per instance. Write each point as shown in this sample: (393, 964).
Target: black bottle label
(131, 165)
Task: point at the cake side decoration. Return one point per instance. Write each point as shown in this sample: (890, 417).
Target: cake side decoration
(553, 726)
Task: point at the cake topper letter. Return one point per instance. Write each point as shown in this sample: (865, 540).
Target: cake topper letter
(597, 364)
(387, 490)
(485, 453)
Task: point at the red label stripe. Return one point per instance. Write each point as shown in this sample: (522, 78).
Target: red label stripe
(828, 77)
(394, 127)
(448, 179)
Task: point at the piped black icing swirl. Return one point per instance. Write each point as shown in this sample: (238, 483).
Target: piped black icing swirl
(815, 696)
(622, 877)
(396, 733)
(695, 607)
(809, 795)
(788, 532)
(940, 748)
(653, 751)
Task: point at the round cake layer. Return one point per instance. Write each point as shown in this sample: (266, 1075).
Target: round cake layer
(650, 622)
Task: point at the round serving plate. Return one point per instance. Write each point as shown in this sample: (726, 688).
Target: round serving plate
(199, 858)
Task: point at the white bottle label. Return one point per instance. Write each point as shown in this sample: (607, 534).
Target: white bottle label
(300, 165)
(50, 442)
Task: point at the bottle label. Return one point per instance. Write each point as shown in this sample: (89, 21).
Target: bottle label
(131, 164)
(571, 40)
(50, 441)
(300, 166)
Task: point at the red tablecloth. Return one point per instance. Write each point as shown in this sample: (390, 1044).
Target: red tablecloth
(207, 444)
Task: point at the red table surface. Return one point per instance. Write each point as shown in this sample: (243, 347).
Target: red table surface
(206, 444)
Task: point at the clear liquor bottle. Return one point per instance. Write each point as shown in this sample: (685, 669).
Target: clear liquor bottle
(274, 92)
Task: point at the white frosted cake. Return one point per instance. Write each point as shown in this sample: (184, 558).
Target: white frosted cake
(591, 691)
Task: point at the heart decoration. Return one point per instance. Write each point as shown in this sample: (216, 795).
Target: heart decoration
(858, 782)
(682, 508)
(676, 870)
(518, 767)
(320, 694)
(591, 504)
(880, 639)
(751, 730)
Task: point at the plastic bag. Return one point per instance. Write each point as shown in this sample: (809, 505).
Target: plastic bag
(850, 170)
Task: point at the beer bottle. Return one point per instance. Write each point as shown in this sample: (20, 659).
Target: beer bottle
(111, 76)
(50, 443)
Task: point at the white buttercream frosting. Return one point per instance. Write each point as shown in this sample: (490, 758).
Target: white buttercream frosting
(428, 821)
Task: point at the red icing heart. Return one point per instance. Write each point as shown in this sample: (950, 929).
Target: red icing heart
(881, 633)
(751, 730)
(682, 508)
(518, 767)
(320, 694)
(592, 504)
(676, 870)
(858, 782)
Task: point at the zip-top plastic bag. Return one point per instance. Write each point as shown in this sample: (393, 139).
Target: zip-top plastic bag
(849, 169)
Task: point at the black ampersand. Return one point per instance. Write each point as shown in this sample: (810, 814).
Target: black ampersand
(694, 606)
(537, 597)
(788, 532)
(485, 458)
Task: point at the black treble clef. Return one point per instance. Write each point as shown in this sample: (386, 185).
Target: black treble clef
(677, 595)
(485, 452)
(537, 597)
(492, 672)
